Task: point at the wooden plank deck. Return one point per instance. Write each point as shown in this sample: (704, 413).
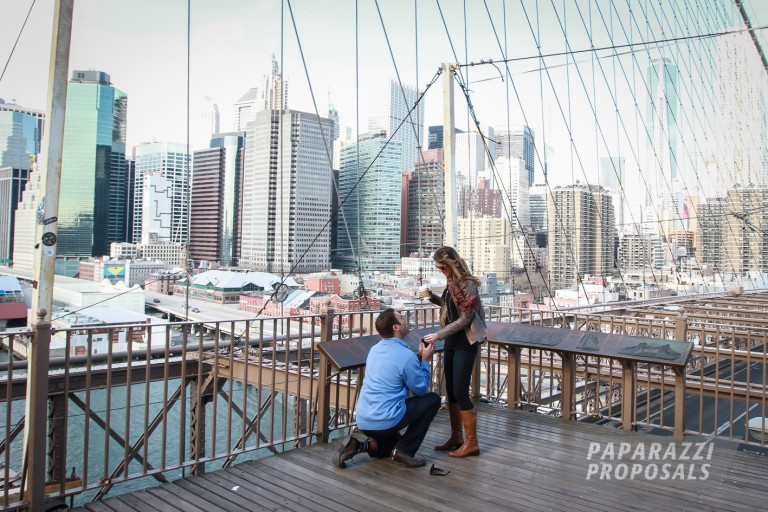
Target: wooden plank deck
(527, 462)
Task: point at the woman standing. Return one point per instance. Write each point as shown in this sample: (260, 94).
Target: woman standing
(463, 322)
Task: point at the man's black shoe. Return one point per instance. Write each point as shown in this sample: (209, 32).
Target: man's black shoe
(407, 460)
(349, 449)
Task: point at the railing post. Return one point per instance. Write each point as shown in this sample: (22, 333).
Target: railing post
(681, 334)
(35, 432)
(326, 322)
(628, 394)
(324, 399)
(513, 376)
(197, 425)
(324, 393)
(57, 435)
(681, 327)
(679, 431)
(568, 385)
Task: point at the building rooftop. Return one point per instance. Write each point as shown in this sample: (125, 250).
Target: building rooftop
(227, 279)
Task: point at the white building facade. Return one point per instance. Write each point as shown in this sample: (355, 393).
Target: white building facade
(287, 181)
(171, 160)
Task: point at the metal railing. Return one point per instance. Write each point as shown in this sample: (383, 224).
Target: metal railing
(189, 397)
(725, 381)
(137, 404)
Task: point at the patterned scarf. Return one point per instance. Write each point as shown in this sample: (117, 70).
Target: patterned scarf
(464, 304)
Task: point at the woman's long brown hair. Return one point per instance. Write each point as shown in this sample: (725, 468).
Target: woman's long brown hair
(448, 256)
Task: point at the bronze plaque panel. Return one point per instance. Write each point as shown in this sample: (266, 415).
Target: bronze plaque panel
(633, 348)
(351, 353)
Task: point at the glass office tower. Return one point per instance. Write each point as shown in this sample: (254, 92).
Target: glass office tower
(21, 132)
(92, 202)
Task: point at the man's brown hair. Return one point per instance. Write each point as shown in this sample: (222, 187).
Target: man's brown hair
(385, 322)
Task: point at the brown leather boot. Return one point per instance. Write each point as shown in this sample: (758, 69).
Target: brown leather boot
(470, 446)
(457, 436)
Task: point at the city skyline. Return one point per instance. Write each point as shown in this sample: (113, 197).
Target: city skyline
(224, 37)
(678, 94)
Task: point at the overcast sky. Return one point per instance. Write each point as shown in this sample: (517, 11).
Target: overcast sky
(142, 45)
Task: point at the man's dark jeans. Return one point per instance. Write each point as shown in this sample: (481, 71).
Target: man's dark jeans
(419, 413)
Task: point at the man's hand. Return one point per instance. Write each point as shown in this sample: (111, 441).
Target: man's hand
(426, 351)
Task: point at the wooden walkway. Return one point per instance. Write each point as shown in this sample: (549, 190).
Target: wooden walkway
(528, 462)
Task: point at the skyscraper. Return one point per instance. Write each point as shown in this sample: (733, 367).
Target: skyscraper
(517, 142)
(745, 244)
(661, 124)
(636, 250)
(333, 115)
(389, 107)
(486, 243)
(372, 208)
(435, 137)
(513, 178)
(612, 172)
(216, 199)
(482, 200)
(12, 182)
(710, 233)
(537, 202)
(741, 138)
(92, 201)
(612, 178)
(286, 193)
(171, 160)
(130, 169)
(471, 156)
(157, 196)
(580, 234)
(25, 222)
(273, 94)
(206, 122)
(245, 108)
(21, 133)
(423, 205)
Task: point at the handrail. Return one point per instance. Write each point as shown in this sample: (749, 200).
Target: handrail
(629, 351)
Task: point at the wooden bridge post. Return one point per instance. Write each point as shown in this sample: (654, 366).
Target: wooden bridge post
(681, 327)
(679, 431)
(681, 334)
(326, 322)
(628, 394)
(324, 399)
(568, 385)
(324, 392)
(513, 376)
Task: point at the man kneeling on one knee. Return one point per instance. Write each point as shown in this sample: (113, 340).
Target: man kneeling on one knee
(383, 410)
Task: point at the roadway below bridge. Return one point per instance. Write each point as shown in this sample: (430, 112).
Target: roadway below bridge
(721, 416)
(228, 317)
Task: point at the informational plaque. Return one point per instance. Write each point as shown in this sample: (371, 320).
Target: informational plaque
(351, 353)
(598, 344)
